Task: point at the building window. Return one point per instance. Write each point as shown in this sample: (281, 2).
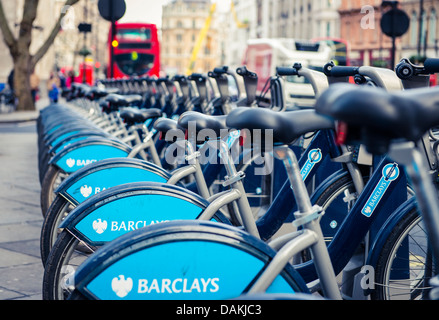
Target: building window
(424, 28)
(179, 37)
(432, 27)
(414, 29)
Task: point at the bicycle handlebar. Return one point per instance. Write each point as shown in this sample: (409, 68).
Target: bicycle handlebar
(286, 71)
(431, 65)
(196, 77)
(340, 71)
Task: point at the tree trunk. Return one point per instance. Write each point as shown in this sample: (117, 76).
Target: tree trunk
(24, 62)
(22, 86)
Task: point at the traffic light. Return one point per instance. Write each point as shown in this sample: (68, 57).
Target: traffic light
(115, 43)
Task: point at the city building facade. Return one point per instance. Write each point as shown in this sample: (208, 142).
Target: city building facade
(296, 19)
(422, 39)
(360, 26)
(182, 22)
(69, 42)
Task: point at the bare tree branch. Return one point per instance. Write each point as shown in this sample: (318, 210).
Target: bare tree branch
(8, 37)
(51, 38)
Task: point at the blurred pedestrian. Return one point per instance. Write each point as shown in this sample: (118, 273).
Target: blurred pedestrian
(11, 80)
(53, 87)
(34, 85)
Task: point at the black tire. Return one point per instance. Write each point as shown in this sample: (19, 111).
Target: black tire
(50, 229)
(53, 177)
(57, 270)
(408, 239)
(335, 194)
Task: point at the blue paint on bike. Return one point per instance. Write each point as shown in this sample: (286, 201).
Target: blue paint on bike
(314, 156)
(101, 180)
(203, 264)
(112, 220)
(81, 153)
(81, 157)
(193, 270)
(390, 173)
(104, 217)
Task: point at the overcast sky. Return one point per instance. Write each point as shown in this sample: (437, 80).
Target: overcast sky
(150, 11)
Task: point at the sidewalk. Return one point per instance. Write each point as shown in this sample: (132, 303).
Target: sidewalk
(24, 116)
(21, 270)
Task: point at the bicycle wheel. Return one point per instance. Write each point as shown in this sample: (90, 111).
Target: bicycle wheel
(336, 200)
(405, 264)
(257, 186)
(52, 179)
(66, 255)
(50, 231)
(178, 252)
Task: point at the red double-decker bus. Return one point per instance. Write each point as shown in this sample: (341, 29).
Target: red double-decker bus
(136, 50)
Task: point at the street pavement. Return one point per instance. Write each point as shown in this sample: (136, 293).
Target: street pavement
(21, 270)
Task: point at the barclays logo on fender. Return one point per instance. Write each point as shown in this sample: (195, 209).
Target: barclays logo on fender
(123, 285)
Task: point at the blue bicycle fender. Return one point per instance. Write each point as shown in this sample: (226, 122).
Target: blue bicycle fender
(64, 132)
(90, 150)
(121, 209)
(103, 174)
(81, 135)
(181, 260)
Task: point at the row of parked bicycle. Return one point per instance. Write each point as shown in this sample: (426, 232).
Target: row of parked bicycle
(190, 188)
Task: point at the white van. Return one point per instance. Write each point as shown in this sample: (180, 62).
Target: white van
(264, 55)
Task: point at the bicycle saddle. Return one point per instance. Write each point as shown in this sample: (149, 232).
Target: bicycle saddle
(203, 121)
(286, 126)
(95, 93)
(165, 126)
(123, 100)
(135, 116)
(377, 116)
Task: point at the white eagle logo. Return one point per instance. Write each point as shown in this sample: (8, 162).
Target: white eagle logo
(86, 191)
(99, 226)
(122, 286)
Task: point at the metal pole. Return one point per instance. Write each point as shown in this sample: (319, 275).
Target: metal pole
(113, 33)
(421, 21)
(84, 77)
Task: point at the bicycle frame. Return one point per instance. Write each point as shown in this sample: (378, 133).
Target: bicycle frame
(284, 205)
(360, 220)
(307, 217)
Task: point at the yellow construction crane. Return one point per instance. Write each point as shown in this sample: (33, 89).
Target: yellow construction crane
(203, 33)
(201, 37)
(238, 23)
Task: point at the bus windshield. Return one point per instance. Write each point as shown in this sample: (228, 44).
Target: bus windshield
(134, 64)
(141, 34)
